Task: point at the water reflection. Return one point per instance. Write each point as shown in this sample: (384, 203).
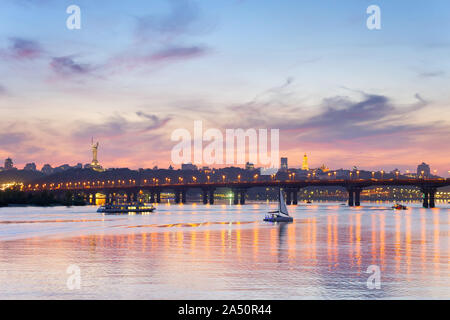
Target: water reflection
(323, 254)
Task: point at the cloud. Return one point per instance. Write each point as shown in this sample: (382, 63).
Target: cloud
(23, 49)
(3, 90)
(67, 66)
(432, 74)
(180, 20)
(8, 139)
(177, 53)
(163, 39)
(118, 126)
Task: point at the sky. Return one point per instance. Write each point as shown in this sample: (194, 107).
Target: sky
(137, 70)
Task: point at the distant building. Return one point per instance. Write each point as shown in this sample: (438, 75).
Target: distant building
(423, 170)
(30, 167)
(9, 165)
(249, 166)
(79, 166)
(188, 167)
(284, 164)
(47, 169)
(305, 165)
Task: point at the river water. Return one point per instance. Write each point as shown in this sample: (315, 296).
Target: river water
(197, 251)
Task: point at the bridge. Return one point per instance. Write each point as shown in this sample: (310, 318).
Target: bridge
(152, 187)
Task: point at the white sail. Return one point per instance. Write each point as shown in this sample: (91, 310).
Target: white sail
(282, 204)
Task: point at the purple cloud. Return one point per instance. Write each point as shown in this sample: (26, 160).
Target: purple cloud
(24, 49)
(3, 90)
(180, 20)
(67, 66)
(177, 53)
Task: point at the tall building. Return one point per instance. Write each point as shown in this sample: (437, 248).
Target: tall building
(9, 165)
(249, 166)
(30, 167)
(305, 163)
(284, 164)
(423, 170)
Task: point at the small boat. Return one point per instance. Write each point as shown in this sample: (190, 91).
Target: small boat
(309, 201)
(282, 214)
(126, 208)
(399, 207)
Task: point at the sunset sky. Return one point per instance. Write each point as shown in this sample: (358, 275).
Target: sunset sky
(139, 69)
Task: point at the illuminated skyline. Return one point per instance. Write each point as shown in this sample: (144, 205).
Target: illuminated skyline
(345, 95)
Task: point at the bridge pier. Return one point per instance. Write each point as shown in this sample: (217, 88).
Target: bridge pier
(235, 196)
(211, 196)
(357, 192)
(183, 196)
(205, 196)
(288, 197)
(177, 196)
(425, 199)
(94, 199)
(243, 192)
(152, 197)
(432, 197)
(158, 196)
(350, 198)
(294, 196)
(429, 195)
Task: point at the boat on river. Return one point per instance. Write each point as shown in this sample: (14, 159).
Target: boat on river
(399, 206)
(282, 214)
(126, 208)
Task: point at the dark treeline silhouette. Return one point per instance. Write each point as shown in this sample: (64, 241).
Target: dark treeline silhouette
(14, 196)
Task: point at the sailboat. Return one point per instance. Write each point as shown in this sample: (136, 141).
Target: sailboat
(282, 214)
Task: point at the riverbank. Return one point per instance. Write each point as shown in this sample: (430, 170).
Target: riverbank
(12, 197)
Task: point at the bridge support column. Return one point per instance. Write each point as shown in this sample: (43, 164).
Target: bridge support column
(243, 192)
(177, 196)
(294, 197)
(183, 196)
(288, 197)
(205, 196)
(135, 197)
(94, 199)
(152, 197)
(235, 196)
(357, 197)
(158, 197)
(211, 196)
(350, 197)
(432, 197)
(425, 198)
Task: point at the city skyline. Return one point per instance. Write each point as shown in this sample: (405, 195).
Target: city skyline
(132, 75)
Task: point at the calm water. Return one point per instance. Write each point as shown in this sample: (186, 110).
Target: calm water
(225, 252)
